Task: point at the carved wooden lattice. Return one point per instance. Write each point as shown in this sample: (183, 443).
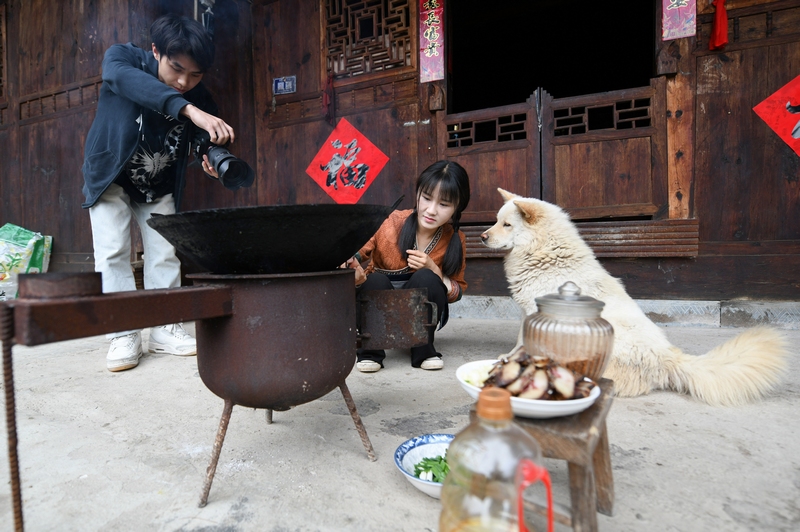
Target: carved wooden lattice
(366, 36)
(494, 129)
(622, 114)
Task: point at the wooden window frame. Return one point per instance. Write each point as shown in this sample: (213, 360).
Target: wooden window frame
(372, 76)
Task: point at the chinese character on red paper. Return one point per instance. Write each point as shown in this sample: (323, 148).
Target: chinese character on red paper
(347, 164)
(431, 41)
(781, 112)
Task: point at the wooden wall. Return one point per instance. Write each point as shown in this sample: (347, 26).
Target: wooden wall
(386, 107)
(726, 167)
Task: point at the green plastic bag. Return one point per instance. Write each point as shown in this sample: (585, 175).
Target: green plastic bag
(21, 251)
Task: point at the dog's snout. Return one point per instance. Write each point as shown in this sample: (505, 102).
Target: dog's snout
(484, 237)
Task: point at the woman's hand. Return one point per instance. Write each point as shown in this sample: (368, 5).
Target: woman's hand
(418, 260)
(353, 264)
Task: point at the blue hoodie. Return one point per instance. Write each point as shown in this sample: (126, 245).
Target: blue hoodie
(130, 82)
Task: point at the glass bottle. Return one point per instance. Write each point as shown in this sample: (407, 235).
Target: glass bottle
(491, 462)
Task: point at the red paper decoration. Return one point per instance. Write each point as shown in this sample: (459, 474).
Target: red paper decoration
(781, 112)
(431, 40)
(347, 164)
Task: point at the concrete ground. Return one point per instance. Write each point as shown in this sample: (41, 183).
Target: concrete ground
(128, 451)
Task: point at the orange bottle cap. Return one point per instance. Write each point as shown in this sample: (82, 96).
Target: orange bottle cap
(494, 403)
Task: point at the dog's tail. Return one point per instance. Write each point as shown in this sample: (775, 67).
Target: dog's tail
(739, 371)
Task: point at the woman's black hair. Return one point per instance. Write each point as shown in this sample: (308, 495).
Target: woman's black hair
(453, 183)
(174, 35)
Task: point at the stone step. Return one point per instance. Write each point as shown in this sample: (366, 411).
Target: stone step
(675, 313)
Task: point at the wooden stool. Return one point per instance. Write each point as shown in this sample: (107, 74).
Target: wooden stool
(580, 439)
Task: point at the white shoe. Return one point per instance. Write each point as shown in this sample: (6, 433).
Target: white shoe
(172, 340)
(432, 363)
(125, 352)
(368, 366)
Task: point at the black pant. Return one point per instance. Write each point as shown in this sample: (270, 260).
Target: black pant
(437, 293)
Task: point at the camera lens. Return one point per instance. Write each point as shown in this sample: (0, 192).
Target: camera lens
(233, 172)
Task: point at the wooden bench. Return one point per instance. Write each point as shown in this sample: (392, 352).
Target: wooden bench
(581, 440)
(641, 238)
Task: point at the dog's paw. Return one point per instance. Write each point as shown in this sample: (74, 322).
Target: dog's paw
(512, 353)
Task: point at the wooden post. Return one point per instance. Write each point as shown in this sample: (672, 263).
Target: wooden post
(680, 139)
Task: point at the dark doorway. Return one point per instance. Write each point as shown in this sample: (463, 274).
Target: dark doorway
(500, 52)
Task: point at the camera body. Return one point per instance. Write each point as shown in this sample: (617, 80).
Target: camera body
(233, 172)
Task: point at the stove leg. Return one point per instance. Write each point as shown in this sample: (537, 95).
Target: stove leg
(7, 337)
(357, 420)
(212, 467)
(269, 416)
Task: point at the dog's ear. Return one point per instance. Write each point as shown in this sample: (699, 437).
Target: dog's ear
(529, 211)
(507, 196)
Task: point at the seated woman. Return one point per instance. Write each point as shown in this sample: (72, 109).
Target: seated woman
(420, 248)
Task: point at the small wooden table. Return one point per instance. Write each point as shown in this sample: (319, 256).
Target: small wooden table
(580, 439)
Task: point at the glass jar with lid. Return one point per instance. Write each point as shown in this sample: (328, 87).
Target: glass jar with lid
(568, 330)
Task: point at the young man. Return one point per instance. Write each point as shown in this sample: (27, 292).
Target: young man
(151, 105)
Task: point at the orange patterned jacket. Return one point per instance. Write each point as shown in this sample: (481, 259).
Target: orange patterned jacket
(385, 257)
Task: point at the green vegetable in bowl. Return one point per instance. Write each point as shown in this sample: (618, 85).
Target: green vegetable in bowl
(478, 376)
(432, 469)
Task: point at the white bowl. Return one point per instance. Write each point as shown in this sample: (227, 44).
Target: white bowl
(412, 451)
(532, 408)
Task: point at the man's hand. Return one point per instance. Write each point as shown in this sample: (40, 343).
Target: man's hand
(207, 168)
(220, 132)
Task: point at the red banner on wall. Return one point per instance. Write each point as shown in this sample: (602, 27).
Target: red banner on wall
(431, 40)
(678, 19)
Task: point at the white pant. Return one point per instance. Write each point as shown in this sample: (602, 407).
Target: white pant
(111, 235)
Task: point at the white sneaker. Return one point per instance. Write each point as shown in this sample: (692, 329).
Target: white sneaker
(173, 340)
(125, 352)
(432, 363)
(368, 366)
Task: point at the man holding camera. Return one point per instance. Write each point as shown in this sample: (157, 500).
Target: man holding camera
(150, 108)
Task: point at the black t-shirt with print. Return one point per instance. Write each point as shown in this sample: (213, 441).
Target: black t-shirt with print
(150, 172)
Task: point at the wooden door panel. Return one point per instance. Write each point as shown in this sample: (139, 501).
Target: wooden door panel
(487, 171)
(286, 152)
(749, 173)
(620, 174)
(604, 155)
(50, 165)
(498, 147)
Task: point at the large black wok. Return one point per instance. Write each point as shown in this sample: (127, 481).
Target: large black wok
(272, 239)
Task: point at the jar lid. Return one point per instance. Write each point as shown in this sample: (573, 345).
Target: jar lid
(569, 300)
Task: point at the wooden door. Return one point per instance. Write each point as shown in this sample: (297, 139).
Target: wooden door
(601, 157)
(499, 147)
(604, 155)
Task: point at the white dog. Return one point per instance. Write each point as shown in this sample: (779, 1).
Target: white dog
(545, 250)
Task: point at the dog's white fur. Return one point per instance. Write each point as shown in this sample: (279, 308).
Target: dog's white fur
(545, 250)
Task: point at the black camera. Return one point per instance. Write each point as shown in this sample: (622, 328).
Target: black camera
(233, 172)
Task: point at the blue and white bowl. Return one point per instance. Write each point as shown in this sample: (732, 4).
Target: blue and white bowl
(412, 451)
